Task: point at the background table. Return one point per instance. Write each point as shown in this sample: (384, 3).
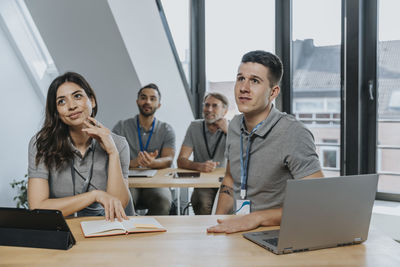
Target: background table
(164, 178)
(186, 243)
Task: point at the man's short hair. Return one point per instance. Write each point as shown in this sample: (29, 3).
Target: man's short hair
(269, 60)
(218, 96)
(151, 86)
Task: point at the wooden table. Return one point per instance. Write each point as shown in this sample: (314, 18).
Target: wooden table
(186, 243)
(164, 178)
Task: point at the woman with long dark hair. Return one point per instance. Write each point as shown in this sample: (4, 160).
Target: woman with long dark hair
(77, 165)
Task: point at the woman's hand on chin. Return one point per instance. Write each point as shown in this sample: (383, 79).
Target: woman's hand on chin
(112, 206)
(102, 134)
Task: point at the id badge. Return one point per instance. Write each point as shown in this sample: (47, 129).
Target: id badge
(243, 206)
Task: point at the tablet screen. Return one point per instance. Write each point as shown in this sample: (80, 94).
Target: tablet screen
(187, 175)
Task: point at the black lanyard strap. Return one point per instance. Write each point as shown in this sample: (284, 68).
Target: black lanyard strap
(211, 156)
(85, 187)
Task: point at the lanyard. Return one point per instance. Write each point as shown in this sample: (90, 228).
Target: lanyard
(140, 136)
(245, 162)
(211, 156)
(87, 181)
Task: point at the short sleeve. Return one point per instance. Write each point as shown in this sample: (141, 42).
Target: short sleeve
(123, 149)
(301, 157)
(118, 128)
(228, 141)
(169, 140)
(35, 171)
(188, 141)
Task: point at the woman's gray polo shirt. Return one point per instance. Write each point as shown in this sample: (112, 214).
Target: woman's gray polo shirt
(60, 180)
(195, 139)
(282, 148)
(163, 136)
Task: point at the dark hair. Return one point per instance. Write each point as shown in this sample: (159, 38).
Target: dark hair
(269, 60)
(218, 96)
(151, 86)
(52, 144)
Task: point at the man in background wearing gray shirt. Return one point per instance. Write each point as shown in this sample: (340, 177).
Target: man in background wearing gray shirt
(264, 149)
(152, 145)
(206, 139)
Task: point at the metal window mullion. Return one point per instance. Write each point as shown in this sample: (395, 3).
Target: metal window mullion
(197, 54)
(175, 53)
(283, 48)
(350, 85)
(369, 108)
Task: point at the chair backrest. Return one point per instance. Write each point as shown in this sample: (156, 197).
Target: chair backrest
(215, 204)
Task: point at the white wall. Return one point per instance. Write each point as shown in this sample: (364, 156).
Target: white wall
(85, 36)
(82, 36)
(119, 46)
(147, 44)
(21, 113)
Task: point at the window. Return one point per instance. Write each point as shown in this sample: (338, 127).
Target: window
(388, 117)
(177, 14)
(308, 105)
(394, 102)
(234, 27)
(329, 158)
(17, 21)
(317, 79)
(316, 74)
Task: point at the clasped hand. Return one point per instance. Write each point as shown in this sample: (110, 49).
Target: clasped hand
(208, 166)
(145, 159)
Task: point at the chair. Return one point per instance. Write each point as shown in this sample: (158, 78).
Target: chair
(215, 204)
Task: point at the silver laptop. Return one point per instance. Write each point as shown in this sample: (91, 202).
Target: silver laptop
(322, 213)
(142, 173)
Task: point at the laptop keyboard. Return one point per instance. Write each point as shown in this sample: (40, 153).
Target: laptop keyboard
(272, 241)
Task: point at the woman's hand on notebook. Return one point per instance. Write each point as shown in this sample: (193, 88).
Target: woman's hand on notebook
(112, 206)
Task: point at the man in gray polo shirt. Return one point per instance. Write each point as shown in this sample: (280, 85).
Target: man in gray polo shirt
(206, 139)
(264, 148)
(152, 145)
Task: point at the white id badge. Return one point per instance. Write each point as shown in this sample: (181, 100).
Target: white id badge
(242, 206)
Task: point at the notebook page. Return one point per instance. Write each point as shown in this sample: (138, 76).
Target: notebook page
(100, 226)
(141, 223)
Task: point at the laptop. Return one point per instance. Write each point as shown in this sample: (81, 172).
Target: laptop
(142, 173)
(322, 213)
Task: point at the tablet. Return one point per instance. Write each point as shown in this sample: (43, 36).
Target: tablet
(33, 219)
(34, 228)
(187, 175)
(143, 173)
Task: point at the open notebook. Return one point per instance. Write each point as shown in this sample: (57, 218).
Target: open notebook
(133, 225)
(142, 172)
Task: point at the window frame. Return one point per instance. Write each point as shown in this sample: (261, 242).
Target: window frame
(182, 74)
(25, 39)
(358, 78)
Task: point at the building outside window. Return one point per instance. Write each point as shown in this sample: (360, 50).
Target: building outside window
(316, 75)
(316, 48)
